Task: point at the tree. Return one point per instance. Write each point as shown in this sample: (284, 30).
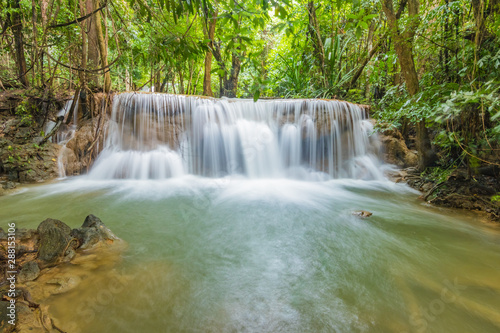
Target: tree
(17, 29)
(403, 43)
(103, 50)
(209, 24)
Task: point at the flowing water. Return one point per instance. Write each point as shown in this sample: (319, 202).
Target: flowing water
(224, 241)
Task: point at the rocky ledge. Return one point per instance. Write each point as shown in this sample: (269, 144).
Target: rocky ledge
(51, 260)
(458, 190)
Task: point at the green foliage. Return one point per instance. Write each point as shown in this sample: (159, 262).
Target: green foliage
(438, 174)
(163, 43)
(24, 113)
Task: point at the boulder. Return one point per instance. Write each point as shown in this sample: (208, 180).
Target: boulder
(29, 272)
(55, 241)
(9, 186)
(92, 233)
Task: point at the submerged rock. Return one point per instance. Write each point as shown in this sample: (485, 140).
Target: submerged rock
(362, 213)
(29, 272)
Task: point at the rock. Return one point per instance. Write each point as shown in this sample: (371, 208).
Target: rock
(9, 186)
(55, 240)
(29, 272)
(92, 233)
(52, 223)
(4, 319)
(395, 149)
(65, 284)
(77, 157)
(27, 320)
(362, 213)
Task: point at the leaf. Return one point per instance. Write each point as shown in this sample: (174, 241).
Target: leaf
(256, 95)
(282, 12)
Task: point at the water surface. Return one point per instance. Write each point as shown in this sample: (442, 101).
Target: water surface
(273, 255)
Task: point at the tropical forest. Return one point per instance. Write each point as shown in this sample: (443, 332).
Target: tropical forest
(249, 166)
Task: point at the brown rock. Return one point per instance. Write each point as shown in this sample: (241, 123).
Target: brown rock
(362, 213)
(395, 150)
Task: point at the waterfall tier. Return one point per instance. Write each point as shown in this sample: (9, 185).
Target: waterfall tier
(156, 136)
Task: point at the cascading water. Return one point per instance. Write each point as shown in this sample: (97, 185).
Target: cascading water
(242, 254)
(156, 136)
(65, 133)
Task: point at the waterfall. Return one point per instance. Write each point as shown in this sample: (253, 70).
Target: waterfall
(156, 136)
(64, 134)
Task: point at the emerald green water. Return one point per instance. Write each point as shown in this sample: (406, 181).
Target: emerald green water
(237, 255)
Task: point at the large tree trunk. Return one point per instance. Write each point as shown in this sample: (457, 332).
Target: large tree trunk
(404, 50)
(315, 35)
(102, 48)
(83, 64)
(17, 29)
(231, 83)
(92, 44)
(207, 78)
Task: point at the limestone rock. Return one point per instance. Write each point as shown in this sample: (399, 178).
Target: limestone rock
(395, 149)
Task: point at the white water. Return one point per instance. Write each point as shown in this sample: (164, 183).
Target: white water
(64, 133)
(239, 254)
(157, 136)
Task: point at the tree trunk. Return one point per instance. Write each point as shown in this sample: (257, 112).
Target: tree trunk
(207, 78)
(82, 74)
(92, 44)
(231, 83)
(181, 82)
(404, 50)
(127, 80)
(102, 48)
(315, 35)
(17, 29)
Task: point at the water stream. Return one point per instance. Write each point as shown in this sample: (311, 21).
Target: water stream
(224, 241)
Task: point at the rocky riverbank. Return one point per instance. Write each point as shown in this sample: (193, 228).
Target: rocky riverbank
(476, 193)
(454, 190)
(28, 155)
(51, 260)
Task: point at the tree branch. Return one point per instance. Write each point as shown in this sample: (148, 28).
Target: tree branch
(80, 19)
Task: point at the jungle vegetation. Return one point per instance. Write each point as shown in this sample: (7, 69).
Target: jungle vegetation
(430, 68)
